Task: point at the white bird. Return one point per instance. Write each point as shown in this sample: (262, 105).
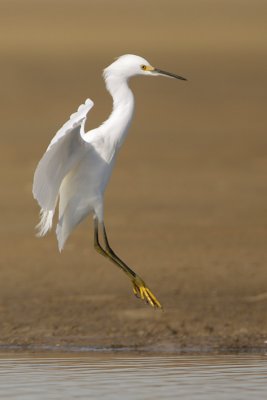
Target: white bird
(76, 167)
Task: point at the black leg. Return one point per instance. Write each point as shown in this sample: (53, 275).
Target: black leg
(139, 287)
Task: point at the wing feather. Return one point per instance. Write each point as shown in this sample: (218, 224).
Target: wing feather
(63, 153)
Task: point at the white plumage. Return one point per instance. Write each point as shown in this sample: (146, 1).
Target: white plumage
(62, 155)
(76, 166)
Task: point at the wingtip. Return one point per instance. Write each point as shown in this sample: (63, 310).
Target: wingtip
(46, 222)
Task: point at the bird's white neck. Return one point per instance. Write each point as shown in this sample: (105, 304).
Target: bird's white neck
(123, 108)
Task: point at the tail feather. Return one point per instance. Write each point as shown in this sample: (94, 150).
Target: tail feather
(45, 223)
(62, 236)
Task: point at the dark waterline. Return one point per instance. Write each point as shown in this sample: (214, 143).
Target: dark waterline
(161, 350)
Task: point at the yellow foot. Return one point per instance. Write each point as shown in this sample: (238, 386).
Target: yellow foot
(142, 292)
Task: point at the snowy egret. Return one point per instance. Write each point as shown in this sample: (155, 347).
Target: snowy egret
(77, 165)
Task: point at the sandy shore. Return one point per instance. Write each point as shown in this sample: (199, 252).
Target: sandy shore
(186, 206)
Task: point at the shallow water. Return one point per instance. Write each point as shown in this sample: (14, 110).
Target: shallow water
(132, 377)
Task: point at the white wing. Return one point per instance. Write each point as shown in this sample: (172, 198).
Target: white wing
(63, 153)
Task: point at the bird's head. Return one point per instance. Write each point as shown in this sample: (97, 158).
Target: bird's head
(130, 65)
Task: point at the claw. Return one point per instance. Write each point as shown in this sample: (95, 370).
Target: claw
(142, 292)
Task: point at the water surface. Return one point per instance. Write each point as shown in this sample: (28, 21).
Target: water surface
(133, 377)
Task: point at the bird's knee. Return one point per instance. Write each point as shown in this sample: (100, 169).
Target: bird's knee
(99, 249)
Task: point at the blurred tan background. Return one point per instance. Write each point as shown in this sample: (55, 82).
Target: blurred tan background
(187, 203)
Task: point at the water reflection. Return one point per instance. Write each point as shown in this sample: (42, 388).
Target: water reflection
(134, 377)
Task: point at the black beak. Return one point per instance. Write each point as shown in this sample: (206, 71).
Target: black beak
(159, 71)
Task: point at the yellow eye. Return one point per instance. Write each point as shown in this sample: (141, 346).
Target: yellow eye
(143, 67)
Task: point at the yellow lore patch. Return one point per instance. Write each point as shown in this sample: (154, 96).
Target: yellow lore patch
(147, 68)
